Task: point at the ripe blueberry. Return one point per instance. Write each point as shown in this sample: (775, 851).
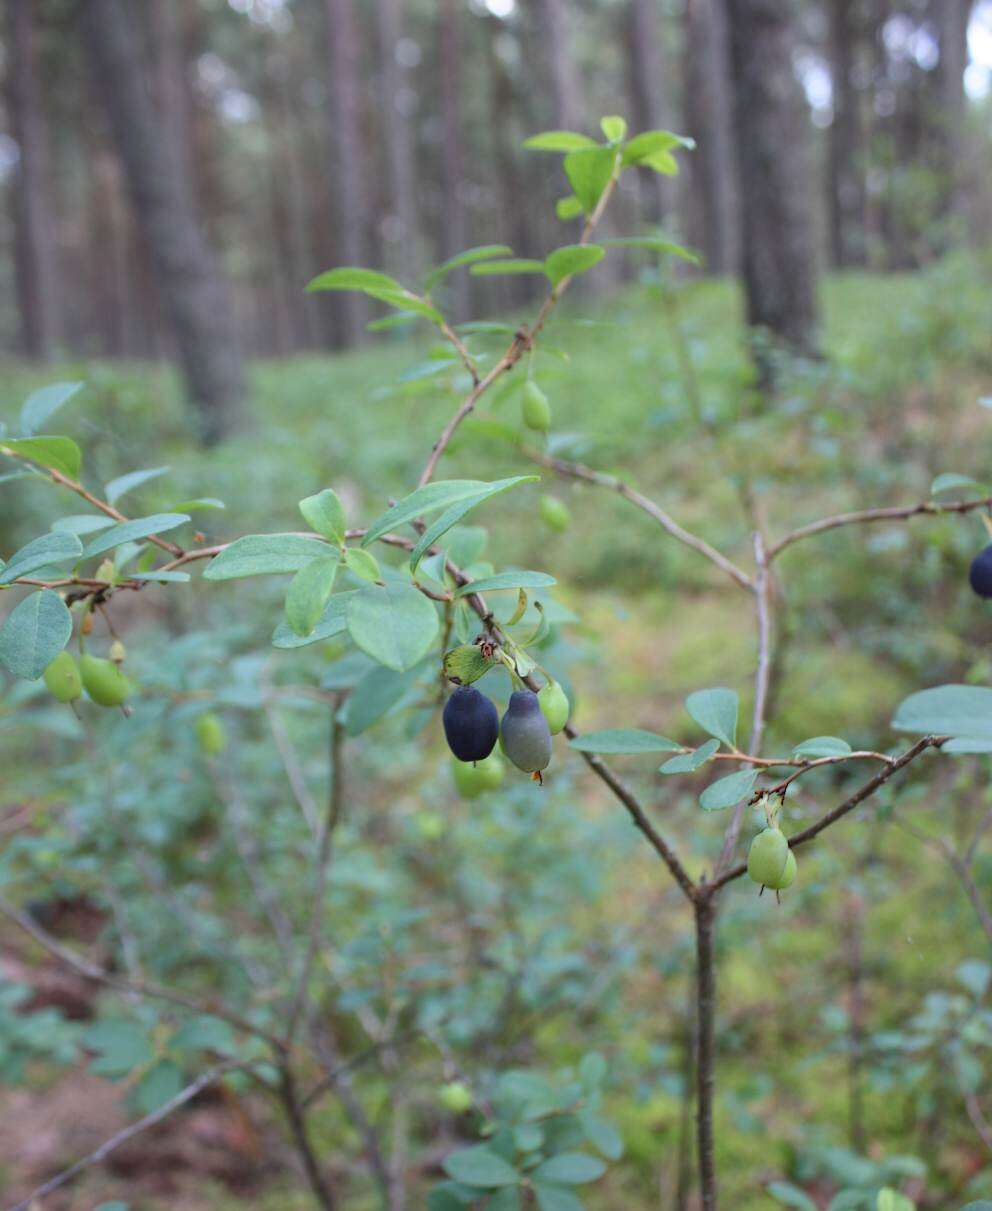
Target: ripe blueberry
(471, 724)
(525, 733)
(980, 573)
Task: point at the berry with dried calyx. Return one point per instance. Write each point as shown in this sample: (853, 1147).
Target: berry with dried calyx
(525, 733)
(767, 857)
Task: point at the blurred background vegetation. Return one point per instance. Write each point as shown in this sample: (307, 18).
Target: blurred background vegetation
(527, 928)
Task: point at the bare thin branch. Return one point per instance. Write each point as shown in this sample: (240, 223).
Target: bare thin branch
(210, 1077)
(842, 809)
(870, 516)
(578, 471)
(522, 341)
(141, 987)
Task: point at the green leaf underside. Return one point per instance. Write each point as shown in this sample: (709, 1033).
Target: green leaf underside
(507, 580)
(480, 1166)
(624, 740)
(716, 712)
(822, 746)
(588, 173)
(264, 555)
(43, 403)
(571, 260)
(332, 622)
(949, 481)
(688, 763)
(483, 252)
(55, 548)
(309, 591)
(559, 140)
(729, 791)
(570, 1168)
(947, 710)
(511, 266)
(34, 633)
(395, 624)
(455, 512)
(125, 483)
(59, 453)
(324, 514)
(427, 499)
(131, 531)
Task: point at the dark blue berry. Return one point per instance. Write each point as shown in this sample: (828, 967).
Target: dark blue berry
(471, 724)
(980, 573)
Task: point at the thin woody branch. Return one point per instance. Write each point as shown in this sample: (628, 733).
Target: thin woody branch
(521, 343)
(841, 810)
(871, 516)
(143, 988)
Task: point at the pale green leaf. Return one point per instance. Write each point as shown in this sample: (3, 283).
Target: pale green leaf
(395, 624)
(124, 483)
(716, 712)
(50, 550)
(308, 593)
(131, 531)
(506, 580)
(324, 514)
(571, 260)
(34, 633)
(726, 792)
(43, 403)
(59, 453)
(264, 555)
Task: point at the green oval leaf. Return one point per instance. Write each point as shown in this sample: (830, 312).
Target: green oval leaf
(570, 1168)
(131, 531)
(716, 712)
(726, 792)
(45, 402)
(559, 140)
(125, 483)
(571, 260)
(308, 593)
(394, 624)
(484, 252)
(59, 453)
(947, 710)
(324, 514)
(688, 763)
(353, 278)
(480, 1166)
(454, 513)
(51, 549)
(34, 633)
(332, 622)
(264, 555)
(514, 265)
(822, 746)
(507, 580)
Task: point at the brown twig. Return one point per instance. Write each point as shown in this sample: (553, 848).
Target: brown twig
(143, 988)
(870, 516)
(842, 809)
(210, 1077)
(521, 342)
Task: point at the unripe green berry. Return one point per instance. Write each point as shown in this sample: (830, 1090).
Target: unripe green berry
(788, 876)
(536, 409)
(62, 678)
(767, 857)
(554, 705)
(211, 734)
(554, 513)
(474, 779)
(103, 681)
(455, 1097)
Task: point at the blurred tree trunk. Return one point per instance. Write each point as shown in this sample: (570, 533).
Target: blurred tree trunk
(347, 157)
(950, 19)
(846, 152)
(453, 237)
(192, 289)
(713, 209)
(773, 171)
(35, 268)
(396, 101)
(553, 23)
(647, 70)
(169, 50)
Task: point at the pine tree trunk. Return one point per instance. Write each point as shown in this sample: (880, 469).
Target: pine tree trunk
(35, 267)
(347, 158)
(846, 153)
(453, 238)
(193, 292)
(395, 94)
(773, 171)
(647, 70)
(713, 209)
(553, 21)
(951, 19)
